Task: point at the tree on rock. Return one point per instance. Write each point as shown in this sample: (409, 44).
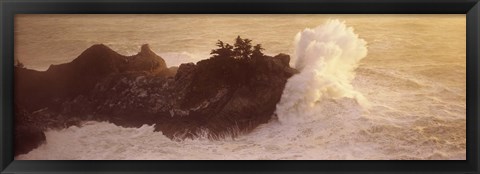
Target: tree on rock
(241, 50)
(257, 51)
(224, 50)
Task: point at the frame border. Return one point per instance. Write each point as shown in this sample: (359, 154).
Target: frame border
(8, 9)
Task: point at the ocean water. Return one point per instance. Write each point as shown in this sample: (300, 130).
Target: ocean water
(370, 87)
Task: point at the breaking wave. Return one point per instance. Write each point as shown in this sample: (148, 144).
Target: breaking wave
(320, 116)
(326, 57)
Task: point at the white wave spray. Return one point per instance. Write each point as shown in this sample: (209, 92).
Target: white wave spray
(402, 123)
(326, 57)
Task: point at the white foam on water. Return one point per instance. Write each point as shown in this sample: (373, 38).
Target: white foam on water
(326, 57)
(323, 114)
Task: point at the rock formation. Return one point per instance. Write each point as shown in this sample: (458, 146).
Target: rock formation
(220, 96)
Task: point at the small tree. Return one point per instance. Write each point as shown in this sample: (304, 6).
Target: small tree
(243, 48)
(224, 50)
(257, 51)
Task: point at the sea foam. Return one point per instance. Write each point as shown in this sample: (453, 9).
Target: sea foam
(326, 57)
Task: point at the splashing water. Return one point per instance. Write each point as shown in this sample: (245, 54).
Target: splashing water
(410, 116)
(326, 57)
(319, 89)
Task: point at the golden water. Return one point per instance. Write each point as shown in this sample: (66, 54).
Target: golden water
(414, 77)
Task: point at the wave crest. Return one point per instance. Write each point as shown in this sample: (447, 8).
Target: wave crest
(326, 57)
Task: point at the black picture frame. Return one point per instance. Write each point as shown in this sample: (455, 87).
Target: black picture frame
(9, 8)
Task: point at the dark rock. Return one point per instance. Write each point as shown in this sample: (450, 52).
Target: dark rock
(146, 60)
(35, 90)
(27, 135)
(221, 96)
(284, 58)
(27, 138)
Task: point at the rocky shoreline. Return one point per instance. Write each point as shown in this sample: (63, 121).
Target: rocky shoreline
(222, 97)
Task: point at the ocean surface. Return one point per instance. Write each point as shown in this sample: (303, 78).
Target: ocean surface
(370, 87)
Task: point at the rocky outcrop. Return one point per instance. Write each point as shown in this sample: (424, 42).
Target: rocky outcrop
(218, 96)
(28, 134)
(36, 90)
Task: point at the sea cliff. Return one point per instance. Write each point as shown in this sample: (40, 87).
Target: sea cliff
(218, 97)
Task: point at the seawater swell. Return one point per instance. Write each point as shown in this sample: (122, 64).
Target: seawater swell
(321, 116)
